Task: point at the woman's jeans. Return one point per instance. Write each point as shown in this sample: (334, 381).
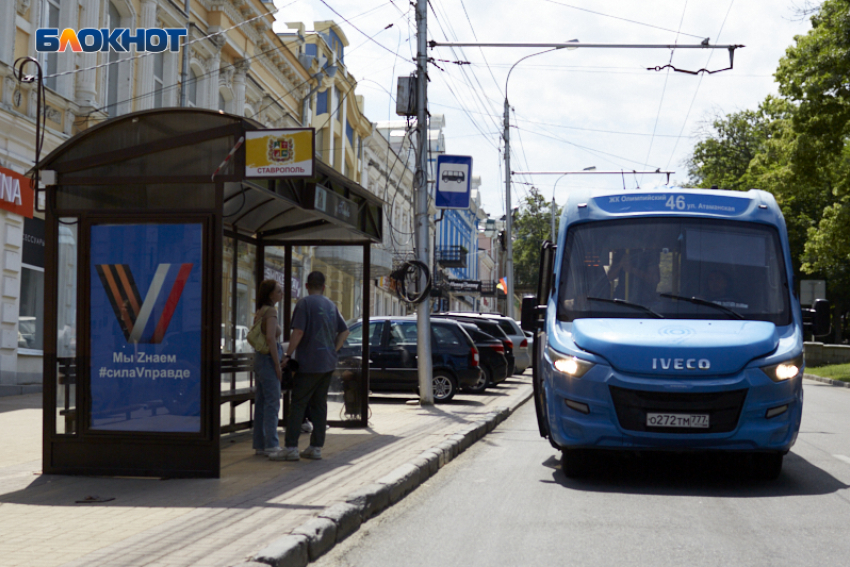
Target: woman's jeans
(266, 401)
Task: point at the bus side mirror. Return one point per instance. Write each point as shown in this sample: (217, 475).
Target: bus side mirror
(820, 322)
(530, 314)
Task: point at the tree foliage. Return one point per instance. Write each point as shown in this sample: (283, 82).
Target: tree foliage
(532, 226)
(796, 147)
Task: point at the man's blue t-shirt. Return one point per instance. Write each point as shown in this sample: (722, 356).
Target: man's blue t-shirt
(321, 322)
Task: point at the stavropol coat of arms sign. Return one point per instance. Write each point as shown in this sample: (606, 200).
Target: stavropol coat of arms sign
(281, 150)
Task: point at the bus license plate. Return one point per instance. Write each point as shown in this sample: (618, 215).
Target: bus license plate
(698, 421)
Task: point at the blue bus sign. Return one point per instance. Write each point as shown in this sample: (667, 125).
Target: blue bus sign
(453, 182)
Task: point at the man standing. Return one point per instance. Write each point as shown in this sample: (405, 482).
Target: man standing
(318, 332)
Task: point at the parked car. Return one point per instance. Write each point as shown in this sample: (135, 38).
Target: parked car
(393, 363)
(28, 333)
(494, 365)
(490, 327)
(530, 336)
(522, 354)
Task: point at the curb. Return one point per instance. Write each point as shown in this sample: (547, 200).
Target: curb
(319, 535)
(829, 381)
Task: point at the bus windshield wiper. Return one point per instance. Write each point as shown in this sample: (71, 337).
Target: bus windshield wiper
(627, 304)
(707, 303)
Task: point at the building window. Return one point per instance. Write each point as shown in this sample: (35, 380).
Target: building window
(349, 133)
(112, 69)
(31, 308)
(158, 83)
(338, 101)
(322, 102)
(51, 20)
(320, 144)
(192, 93)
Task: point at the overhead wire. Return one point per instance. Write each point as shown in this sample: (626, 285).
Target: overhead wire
(346, 20)
(477, 93)
(621, 18)
(197, 79)
(664, 88)
(696, 91)
(476, 98)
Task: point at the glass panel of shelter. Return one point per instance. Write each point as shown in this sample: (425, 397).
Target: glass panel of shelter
(66, 323)
(239, 287)
(344, 285)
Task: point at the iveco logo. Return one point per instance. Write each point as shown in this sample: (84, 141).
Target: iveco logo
(680, 363)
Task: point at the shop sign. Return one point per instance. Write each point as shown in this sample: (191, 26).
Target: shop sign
(33, 249)
(145, 320)
(335, 205)
(279, 153)
(464, 286)
(16, 193)
(270, 273)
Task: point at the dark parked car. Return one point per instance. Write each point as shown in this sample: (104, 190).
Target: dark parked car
(494, 365)
(489, 326)
(393, 361)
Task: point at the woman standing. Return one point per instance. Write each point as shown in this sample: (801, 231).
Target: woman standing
(267, 371)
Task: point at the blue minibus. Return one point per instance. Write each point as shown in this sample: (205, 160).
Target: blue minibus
(667, 319)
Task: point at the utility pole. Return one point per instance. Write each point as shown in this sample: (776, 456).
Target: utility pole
(509, 253)
(184, 72)
(423, 314)
(552, 233)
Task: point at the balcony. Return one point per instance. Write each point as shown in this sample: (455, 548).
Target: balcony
(451, 256)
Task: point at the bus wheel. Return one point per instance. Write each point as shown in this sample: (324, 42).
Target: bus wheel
(575, 463)
(767, 466)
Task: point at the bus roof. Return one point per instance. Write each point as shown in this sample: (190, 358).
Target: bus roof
(601, 204)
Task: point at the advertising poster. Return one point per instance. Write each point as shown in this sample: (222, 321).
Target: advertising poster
(146, 327)
(279, 153)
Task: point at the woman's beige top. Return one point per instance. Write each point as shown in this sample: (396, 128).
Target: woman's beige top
(268, 314)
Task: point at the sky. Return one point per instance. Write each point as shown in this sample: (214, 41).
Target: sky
(571, 109)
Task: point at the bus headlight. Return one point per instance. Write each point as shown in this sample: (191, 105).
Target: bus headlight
(784, 370)
(569, 365)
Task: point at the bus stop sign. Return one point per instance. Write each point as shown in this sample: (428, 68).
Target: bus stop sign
(453, 182)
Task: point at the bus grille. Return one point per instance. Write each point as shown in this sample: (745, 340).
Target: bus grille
(723, 409)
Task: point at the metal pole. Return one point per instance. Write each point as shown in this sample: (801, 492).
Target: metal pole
(423, 314)
(184, 73)
(592, 172)
(578, 45)
(553, 219)
(509, 257)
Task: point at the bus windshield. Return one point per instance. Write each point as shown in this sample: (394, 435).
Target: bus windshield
(676, 268)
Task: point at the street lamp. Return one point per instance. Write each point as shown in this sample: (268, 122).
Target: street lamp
(509, 256)
(591, 168)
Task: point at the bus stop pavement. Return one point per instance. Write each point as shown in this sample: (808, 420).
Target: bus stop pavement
(258, 512)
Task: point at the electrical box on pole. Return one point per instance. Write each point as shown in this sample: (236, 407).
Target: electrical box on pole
(405, 99)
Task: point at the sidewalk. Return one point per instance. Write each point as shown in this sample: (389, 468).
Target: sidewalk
(210, 522)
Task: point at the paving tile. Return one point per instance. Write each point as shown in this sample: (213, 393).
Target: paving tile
(203, 522)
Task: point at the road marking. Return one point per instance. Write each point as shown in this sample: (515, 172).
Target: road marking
(842, 458)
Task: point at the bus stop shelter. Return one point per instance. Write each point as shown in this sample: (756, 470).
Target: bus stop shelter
(151, 273)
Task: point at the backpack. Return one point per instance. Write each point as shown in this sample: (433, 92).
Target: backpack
(257, 339)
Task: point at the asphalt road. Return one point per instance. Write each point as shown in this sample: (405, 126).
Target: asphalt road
(505, 502)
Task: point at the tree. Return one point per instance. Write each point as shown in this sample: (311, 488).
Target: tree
(796, 148)
(532, 226)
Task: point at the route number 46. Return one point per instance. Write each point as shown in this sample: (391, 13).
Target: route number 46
(676, 202)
